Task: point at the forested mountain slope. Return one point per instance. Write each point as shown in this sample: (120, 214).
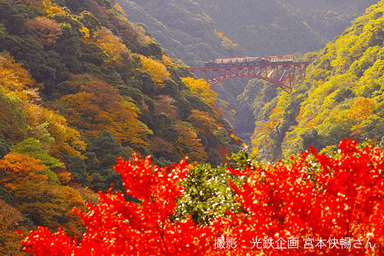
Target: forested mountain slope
(328, 18)
(73, 50)
(339, 6)
(342, 95)
(80, 86)
(189, 29)
(196, 31)
(183, 28)
(262, 28)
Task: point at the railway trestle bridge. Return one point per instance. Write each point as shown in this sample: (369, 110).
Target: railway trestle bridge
(283, 75)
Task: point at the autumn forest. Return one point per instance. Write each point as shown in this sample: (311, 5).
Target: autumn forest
(110, 146)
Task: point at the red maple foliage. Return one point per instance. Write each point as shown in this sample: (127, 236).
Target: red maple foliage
(311, 204)
(120, 227)
(315, 205)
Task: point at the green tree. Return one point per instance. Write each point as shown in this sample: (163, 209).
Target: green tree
(34, 148)
(13, 124)
(102, 153)
(207, 194)
(76, 165)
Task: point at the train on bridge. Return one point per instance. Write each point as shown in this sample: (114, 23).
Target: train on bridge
(249, 61)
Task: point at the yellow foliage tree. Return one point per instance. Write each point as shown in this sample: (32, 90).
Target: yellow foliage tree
(119, 9)
(111, 44)
(167, 61)
(70, 199)
(361, 109)
(201, 87)
(13, 125)
(14, 78)
(156, 69)
(189, 144)
(85, 32)
(51, 9)
(227, 43)
(52, 129)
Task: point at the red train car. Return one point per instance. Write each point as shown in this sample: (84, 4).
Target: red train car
(248, 61)
(274, 59)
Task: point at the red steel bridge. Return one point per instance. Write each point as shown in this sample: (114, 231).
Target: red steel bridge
(282, 71)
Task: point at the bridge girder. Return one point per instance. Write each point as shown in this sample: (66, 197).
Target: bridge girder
(283, 75)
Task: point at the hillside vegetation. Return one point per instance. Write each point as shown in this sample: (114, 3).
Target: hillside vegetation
(183, 28)
(328, 18)
(341, 96)
(197, 31)
(80, 85)
(262, 28)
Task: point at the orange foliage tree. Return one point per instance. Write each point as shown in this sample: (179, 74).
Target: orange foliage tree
(158, 144)
(361, 109)
(16, 169)
(189, 144)
(99, 106)
(165, 104)
(202, 121)
(46, 28)
(227, 43)
(42, 201)
(10, 220)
